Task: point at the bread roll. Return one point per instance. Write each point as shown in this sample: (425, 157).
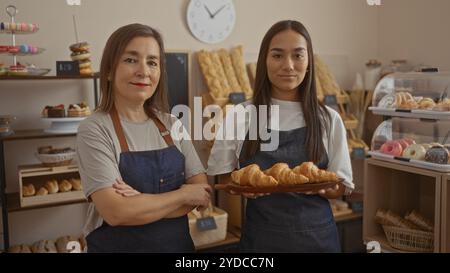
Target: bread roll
(76, 184)
(28, 190)
(44, 246)
(19, 249)
(61, 243)
(42, 191)
(51, 186)
(314, 174)
(65, 186)
(420, 221)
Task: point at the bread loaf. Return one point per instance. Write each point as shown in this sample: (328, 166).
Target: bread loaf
(42, 191)
(61, 243)
(44, 246)
(210, 74)
(326, 78)
(285, 176)
(76, 184)
(19, 249)
(237, 58)
(420, 221)
(229, 71)
(226, 89)
(252, 175)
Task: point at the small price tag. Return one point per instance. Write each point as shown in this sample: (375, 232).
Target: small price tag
(330, 100)
(67, 68)
(358, 153)
(236, 98)
(207, 223)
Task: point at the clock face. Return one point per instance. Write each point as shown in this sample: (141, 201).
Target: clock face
(211, 21)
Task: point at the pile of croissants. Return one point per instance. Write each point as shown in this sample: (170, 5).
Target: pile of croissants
(280, 174)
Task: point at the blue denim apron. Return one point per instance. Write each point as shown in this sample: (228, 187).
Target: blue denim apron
(153, 172)
(288, 222)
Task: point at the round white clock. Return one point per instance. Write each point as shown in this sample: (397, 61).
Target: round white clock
(211, 21)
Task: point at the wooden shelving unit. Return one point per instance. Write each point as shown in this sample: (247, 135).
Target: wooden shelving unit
(401, 188)
(445, 214)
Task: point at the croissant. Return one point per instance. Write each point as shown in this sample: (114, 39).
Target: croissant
(253, 176)
(285, 176)
(314, 174)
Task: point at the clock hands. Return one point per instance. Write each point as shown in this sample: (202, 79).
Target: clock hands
(221, 8)
(212, 15)
(209, 12)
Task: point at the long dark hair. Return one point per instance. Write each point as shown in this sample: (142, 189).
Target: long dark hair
(314, 111)
(114, 48)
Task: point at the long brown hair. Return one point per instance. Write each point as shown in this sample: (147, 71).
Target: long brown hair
(314, 111)
(114, 48)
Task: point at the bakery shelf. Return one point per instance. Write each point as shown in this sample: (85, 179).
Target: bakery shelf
(423, 114)
(230, 240)
(14, 203)
(411, 162)
(32, 134)
(20, 78)
(401, 189)
(347, 217)
(445, 223)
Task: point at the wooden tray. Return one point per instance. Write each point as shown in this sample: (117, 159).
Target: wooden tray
(314, 187)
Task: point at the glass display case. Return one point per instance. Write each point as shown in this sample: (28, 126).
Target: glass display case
(413, 94)
(416, 142)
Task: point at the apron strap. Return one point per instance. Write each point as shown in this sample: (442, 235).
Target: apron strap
(165, 134)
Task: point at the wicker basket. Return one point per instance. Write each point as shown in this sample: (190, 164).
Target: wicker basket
(409, 239)
(55, 160)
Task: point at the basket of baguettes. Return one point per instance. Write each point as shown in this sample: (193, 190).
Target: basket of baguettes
(413, 232)
(306, 177)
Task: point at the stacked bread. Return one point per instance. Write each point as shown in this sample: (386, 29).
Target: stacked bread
(281, 174)
(225, 72)
(64, 244)
(326, 82)
(52, 186)
(412, 220)
(80, 53)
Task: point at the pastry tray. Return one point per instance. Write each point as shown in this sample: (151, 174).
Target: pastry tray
(302, 188)
(414, 113)
(411, 162)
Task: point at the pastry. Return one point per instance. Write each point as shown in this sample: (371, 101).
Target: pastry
(65, 186)
(51, 186)
(79, 56)
(76, 184)
(19, 249)
(427, 104)
(78, 110)
(314, 174)
(210, 74)
(252, 175)
(420, 221)
(42, 191)
(28, 190)
(326, 78)
(285, 176)
(415, 151)
(226, 89)
(44, 246)
(61, 243)
(438, 155)
(390, 218)
(79, 47)
(387, 101)
(392, 147)
(57, 111)
(18, 70)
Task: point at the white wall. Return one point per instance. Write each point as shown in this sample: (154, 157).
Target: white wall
(415, 30)
(345, 32)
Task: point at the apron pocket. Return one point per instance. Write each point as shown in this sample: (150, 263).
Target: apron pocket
(171, 182)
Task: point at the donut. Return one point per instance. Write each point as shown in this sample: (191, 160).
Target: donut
(438, 155)
(84, 64)
(415, 151)
(78, 56)
(403, 143)
(409, 140)
(79, 47)
(86, 71)
(392, 147)
(427, 146)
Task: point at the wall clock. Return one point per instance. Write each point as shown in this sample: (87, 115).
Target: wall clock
(211, 21)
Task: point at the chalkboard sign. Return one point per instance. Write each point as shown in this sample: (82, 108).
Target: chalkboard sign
(67, 68)
(207, 223)
(177, 67)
